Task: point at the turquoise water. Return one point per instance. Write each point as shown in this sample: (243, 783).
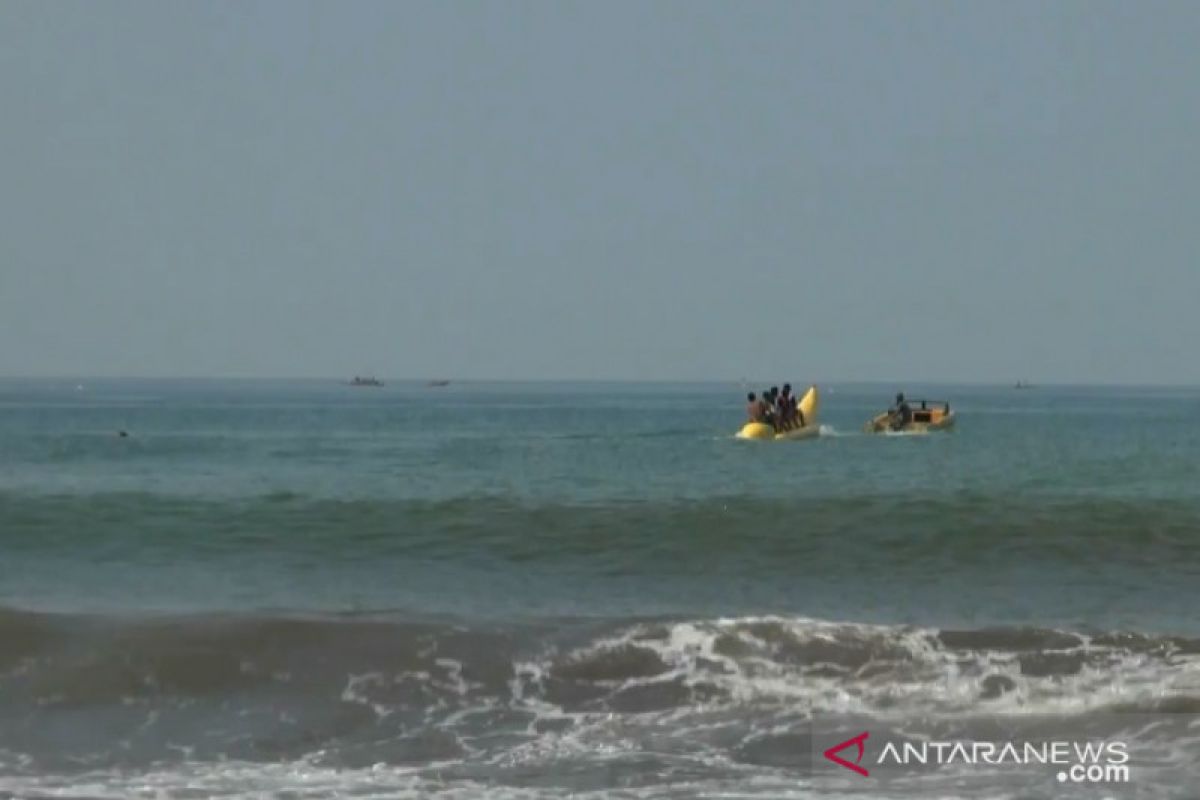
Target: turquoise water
(1049, 505)
(525, 590)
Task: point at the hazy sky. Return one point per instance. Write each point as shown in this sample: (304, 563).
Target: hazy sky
(979, 191)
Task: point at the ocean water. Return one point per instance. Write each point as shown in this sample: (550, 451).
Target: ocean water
(303, 589)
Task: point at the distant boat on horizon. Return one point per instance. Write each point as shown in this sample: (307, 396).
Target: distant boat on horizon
(438, 383)
(1023, 385)
(366, 381)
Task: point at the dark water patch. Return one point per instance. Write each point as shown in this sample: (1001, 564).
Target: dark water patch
(1013, 639)
(787, 750)
(609, 664)
(849, 654)
(994, 686)
(647, 697)
(1044, 665)
(1180, 704)
(1185, 646)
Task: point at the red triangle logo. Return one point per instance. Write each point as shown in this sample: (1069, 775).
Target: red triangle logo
(832, 753)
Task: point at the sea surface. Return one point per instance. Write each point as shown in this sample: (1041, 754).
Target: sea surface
(303, 589)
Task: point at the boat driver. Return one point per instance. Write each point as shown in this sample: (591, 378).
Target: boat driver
(902, 414)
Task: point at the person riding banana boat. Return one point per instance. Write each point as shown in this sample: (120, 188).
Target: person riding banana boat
(917, 416)
(780, 415)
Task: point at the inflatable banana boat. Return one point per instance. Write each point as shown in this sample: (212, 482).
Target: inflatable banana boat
(807, 406)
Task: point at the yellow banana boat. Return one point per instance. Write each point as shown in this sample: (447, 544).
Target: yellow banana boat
(927, 416)
(808, 405)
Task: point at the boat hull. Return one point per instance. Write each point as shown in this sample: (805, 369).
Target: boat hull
(881, 423)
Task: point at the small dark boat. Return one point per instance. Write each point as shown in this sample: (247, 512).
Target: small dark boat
(360, 381)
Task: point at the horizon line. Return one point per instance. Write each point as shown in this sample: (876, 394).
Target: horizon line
(594, 380)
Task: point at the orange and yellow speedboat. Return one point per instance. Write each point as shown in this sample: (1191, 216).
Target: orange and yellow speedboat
(927, 416)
